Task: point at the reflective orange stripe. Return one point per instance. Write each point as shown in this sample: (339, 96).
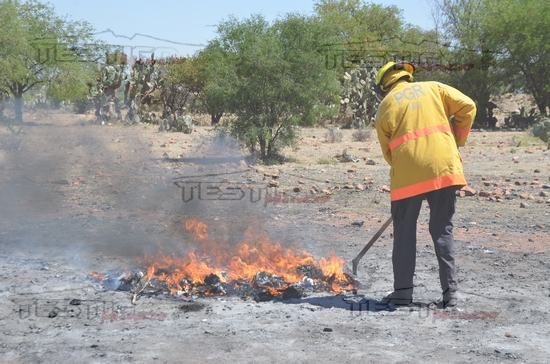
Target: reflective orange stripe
(461, 133)
(427, 186)
(419, 133)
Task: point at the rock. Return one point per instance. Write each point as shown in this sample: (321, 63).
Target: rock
(524, 196)
(468, 191)
(540, 200)
(301, 182)
(496, 192)
(357, 223)
(274, 183)
(523, 205)
(535, 183)
(351, 170)
(531, 197)
(267, 174)
(370, 162)
(327, 329)
(544, 194)
(313, 191)
(349, 186)
(359, 187)
(517, 183)
(385, 189)
(487, 183)
(327, 181)
(536, 171)
(274, 176)
(327, 192)
(484, 193)
(546, 187)
(298, 189)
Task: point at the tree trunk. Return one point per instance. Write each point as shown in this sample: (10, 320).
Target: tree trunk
(18, 104)
(263, 148)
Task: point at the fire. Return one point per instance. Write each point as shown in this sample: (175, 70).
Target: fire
(97, 276)
(241, 262)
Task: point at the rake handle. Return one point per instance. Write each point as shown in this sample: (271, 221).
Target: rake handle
(355, 261)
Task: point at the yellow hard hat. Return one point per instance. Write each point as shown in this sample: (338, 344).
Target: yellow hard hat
(381, 89)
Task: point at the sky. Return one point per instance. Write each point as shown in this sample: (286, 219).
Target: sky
(184, 27)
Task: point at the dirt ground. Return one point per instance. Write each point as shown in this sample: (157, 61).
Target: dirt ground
(77, 197)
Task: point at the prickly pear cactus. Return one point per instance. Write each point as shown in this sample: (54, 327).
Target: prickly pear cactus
(542, 129)
(103, 92)
(141, 92)
(358, 94)
(178, 123)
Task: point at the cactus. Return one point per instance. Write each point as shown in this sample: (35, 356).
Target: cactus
(141, 92)
(177, 123)
(358, 94)
(103, 92)
(522, 120)
(542, 129)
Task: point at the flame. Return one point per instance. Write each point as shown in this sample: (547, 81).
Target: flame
(98, 276)
(240, 262)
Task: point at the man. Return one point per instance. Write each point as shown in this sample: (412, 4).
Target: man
(420, 143)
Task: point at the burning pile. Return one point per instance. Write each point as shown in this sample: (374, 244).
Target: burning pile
(256, 268)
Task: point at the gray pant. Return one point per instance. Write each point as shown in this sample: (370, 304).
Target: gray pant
(405, 215)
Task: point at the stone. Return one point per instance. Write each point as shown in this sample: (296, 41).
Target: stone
(301, 182)
(298, 189)
(544, 194)
(468, 191)
(523, 196)
(386, 189)
(274, 183)
(359, 187)
(370, 162)
(349, 186)
(487, 183)
(484, 193)
(523, 205)
(536, 171)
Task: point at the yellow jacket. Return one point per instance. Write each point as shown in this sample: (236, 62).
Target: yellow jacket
(418, 139)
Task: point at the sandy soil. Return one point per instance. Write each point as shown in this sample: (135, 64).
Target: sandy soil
(77, 197)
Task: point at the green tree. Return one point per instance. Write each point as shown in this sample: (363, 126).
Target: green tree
(214, 96)
(273, 78)
(518, 32)
(38, 46)
(463, 42)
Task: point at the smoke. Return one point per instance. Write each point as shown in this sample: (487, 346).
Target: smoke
(88, 191)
